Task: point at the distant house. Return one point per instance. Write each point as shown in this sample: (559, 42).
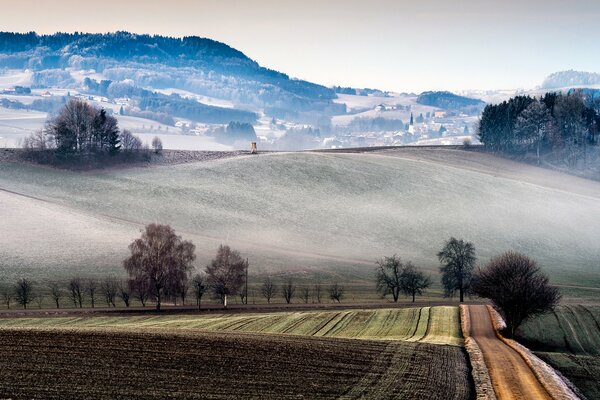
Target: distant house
(46, 94)
(439, 114)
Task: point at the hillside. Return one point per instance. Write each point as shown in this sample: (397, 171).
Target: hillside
(570, 78)
(306, 214)
(447, 100)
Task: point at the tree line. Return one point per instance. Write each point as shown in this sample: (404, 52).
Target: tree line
(160, 266)
(564, 125)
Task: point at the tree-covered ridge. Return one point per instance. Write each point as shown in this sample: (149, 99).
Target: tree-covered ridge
(118, 49)
(571, 78)
(447, 100)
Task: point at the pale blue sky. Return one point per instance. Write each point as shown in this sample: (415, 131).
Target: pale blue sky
(393, 45)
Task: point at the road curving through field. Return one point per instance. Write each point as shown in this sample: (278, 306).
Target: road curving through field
(511, 376)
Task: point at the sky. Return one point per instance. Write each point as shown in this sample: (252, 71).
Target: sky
(405, 46)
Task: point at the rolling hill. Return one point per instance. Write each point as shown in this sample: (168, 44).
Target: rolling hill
(306, 214)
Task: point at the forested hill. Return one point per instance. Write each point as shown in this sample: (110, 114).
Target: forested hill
(105, 52)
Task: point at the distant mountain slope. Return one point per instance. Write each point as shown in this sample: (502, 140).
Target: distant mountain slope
(128, 62)
(447, 100)
(571, 78)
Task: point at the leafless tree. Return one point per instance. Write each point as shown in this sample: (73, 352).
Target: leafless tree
(140, 289)
(157, 145)
(76, 291)
(158, 257)
(39, 300)
(517, 288)
(317, 292)
(24, 292)
(458, 260)
(336, 292)
(305, 294)
(226, 273)
(38, 140)
(124, 293)
(389, 276)
(92, 288)
(199, 285)
(268, 289)
(109, 288)
(56, 293)
(414, 281)
(288, 290)
(129, 142)
(7, 296)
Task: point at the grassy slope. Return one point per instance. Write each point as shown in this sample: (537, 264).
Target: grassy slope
(97, 364)
(301, 213)
(569, 340)
(438, 325)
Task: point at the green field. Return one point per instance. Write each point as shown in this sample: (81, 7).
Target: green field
(569, 340)
(438, 325)
(303, 214)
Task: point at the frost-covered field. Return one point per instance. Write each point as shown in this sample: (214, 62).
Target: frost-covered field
(305, 212)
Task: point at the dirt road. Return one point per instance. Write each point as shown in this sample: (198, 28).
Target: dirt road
(511, 376)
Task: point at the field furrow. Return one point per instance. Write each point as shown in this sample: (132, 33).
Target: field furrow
(103, 363)
(438, 325)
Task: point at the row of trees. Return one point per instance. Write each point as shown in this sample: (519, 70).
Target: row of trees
(91, 292)
(160, 266)
(563, 124)
(289, 290)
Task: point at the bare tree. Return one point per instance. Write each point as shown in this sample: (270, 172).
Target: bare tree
(458, 260)
(129, 142)
(92, 288)
(24, 292)
(124, 293)
(159, 257)
(336, 292)
(305, 294)
(39, 300)
(288, 290)
(56, 293)
(7, 296)
(317, 292)
(199, 285)
(268, 289)
(76, 291)
(38, 140)
(517, 288)
(414, 282)
(226, 273)
(389, 276)
(140, 289)
(109, 288)
(157, 145)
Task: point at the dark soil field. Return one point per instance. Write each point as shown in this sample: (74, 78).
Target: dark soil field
(100, 364)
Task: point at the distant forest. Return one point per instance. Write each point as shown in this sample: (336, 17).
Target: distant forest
(571, 78)
(561, 129)
(450, 101)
